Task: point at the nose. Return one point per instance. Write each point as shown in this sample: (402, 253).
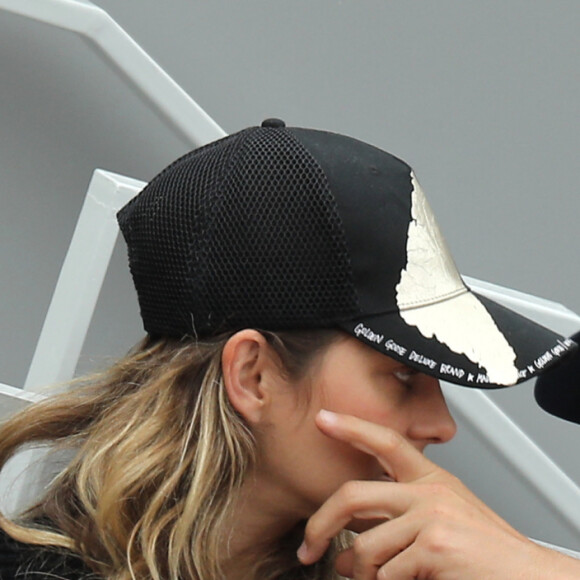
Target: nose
(431, 421)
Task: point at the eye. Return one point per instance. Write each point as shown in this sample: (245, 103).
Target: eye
(405, 375)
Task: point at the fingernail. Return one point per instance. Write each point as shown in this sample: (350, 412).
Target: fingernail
(327, 416)
(302, 552)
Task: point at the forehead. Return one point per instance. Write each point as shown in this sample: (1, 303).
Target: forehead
(348, 354)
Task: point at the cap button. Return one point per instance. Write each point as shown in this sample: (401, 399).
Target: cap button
(273, 123)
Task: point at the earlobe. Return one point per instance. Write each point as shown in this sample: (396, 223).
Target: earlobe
(245, 361)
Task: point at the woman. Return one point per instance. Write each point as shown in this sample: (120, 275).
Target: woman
(281, 274)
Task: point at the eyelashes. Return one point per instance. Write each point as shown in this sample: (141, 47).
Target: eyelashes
(405, 375)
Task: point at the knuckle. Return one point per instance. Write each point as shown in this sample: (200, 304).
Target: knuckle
(350, 493)
(392, 442)
(436, 538)
(364, 549)
(361, 545)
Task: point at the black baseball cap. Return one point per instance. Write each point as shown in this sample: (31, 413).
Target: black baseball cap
(558, 390)
(282, 228)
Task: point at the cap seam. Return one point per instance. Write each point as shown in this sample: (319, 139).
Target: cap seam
(351, 275)
(436, 300)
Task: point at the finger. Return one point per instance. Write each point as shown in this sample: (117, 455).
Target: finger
(354, 500)
(372, 549)
(396, 455)
(361, 525)
(404, 566)
(344, 563)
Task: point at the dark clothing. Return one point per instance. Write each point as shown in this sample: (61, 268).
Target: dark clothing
(20, 561)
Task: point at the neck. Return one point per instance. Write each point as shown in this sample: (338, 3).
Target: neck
(263, 519)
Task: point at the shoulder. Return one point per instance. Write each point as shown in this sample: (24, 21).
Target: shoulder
(20, 561)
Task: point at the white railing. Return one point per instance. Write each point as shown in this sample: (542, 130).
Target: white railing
(122, 53)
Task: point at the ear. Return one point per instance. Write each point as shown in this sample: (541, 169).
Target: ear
(250, 373)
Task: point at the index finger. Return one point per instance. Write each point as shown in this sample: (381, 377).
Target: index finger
(399, 458)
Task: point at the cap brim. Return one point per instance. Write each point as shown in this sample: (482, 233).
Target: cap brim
(469, 340)
(558, 390)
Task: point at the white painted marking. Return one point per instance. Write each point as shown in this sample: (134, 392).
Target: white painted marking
(432, 297)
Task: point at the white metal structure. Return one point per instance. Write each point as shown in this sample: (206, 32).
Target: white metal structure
(146, 77)
(13, 400)
(75, 296)
(81, 278)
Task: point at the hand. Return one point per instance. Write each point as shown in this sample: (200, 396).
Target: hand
(425, 524)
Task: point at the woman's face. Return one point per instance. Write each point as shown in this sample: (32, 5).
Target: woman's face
(348, 377)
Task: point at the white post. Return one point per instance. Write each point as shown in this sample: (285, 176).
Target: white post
(80, 280)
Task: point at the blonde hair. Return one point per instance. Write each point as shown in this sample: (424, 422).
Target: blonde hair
(160, 455)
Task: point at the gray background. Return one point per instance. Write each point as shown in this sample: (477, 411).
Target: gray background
(482, 98)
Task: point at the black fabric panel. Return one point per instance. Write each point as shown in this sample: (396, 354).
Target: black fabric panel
(372, 189)
(558, 390)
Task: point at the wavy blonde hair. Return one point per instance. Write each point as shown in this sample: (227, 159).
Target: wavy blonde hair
(160, 456)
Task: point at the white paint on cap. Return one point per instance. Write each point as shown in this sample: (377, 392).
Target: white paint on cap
(432, 297)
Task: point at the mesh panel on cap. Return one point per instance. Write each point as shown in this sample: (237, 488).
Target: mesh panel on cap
(164, 228)
(278, 256)
(243, 232)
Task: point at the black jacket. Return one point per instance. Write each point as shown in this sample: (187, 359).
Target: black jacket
(20, 561)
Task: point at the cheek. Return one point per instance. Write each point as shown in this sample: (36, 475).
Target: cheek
(380, 404)
(343, 462)
(311, 466)
(333, 462)
(325, 464)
